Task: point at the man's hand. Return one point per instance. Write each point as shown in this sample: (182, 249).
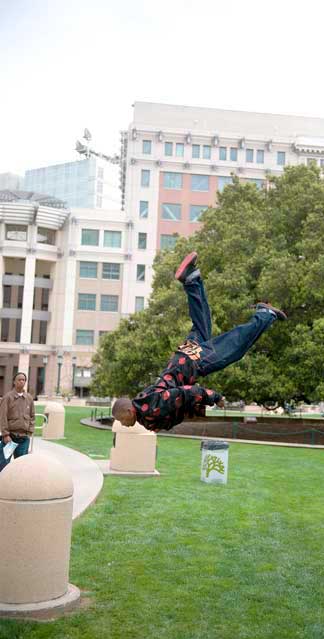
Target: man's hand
(221, 403)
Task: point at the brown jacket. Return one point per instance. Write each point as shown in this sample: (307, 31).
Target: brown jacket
(17, 414)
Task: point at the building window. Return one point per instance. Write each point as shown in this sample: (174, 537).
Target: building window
(140, 272)
(100, 173)
(172, 180)
(139, 304)
(102, 334)
(223, 181)
(87, 302)
(5, 329)
(85, 337)
(99, 187)
(206, 152)
(200, 183)
(42, 332)
(281, 158)
(88, 269)
(7, 296)
(311, 161)
(196, 151)
(179, 149)
(168, 241)
(109, 303)
(44, 299)
(99, 202)
(145, 177)
(18, 330)
(233, 154)
(110, 271)
(322, 163)
(260, 156)
(21, 296)
(258, 183)
(168, 148)
(147, 147)
(249, 155)
(112, 239)
(171, 212)
(222, 153)
(89, 237)
(46, 236)
(142, 241)
(143, 208)
(195, 211)
(16, 232)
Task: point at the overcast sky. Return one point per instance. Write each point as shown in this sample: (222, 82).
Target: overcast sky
(70, 64)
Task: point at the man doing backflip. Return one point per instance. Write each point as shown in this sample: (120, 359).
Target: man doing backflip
(175, 394)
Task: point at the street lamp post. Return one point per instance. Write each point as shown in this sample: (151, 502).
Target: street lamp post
(45, 362)
(59, 366)
(74, 361)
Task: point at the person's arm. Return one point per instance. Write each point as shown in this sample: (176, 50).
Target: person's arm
(197, 397)
(4, 421)
(32, 417)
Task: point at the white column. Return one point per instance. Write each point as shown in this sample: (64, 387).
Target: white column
(1, 276)
(69, 301)
(23, 365)
(28, 296)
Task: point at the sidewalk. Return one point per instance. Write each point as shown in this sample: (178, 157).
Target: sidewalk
(86, 474)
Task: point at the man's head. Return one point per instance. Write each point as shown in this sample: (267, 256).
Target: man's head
(19, 381)
(124, 411)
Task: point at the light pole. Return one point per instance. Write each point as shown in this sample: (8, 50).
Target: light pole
(59, 366)
(45, 362)
(74, 361)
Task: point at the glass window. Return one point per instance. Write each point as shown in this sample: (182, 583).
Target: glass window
(179, 150)
(322, 162)
(145, 177)
(102, 333)
(46, 236)
(99, 202)
(110, 271)
(171, 212)
(142, 240)
(140, 272)
(112, 239)
(200, 183)
(311, 161)
(168, 241)
(143, 208)
(16, 232)
(168, 148)
(109, 303)
(258, 183)
(233, 154)
(222, 181)
(87, 302)
(249, 155)
(206, 152)
(172, 180)
(139, 304)
(88, 269)
(100, 173)
(89, 237)
(196, 151)
(6, 300)
(260, 156)
(85, 337)
(222, 152)
(195, 211)
(5, 329)
(147, 147)
(281, 158)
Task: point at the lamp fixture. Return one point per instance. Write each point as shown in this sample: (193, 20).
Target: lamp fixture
(215, 140)
(188, 138)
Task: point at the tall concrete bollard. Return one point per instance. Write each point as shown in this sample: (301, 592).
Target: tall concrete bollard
(134, 450)
(54, 428)
(36, 499)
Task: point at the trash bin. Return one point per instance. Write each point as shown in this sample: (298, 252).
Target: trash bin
(214, 462)
(54, 428)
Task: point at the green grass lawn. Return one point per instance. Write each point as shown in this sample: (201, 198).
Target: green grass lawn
(174, 558)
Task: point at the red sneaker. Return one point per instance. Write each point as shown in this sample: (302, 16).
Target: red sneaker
(186, 267)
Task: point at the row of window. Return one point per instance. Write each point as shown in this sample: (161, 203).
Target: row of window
(19, 233)
(204, 151)
(88, 302)
(174, 181)
(90, 237)
(109, 270)
(86, 337)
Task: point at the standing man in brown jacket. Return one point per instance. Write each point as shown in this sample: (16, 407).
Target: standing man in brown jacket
(17, 419)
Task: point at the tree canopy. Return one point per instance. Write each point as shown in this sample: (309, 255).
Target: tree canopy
(256, 245)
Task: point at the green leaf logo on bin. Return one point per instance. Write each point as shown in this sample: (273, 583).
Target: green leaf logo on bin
(214, 461)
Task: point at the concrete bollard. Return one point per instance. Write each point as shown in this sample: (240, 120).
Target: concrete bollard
(36, 499)
(54, 428)
(134, 449)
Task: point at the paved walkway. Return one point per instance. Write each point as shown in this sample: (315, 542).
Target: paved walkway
(86, 474)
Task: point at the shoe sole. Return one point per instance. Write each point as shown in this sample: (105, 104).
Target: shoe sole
(280, 314)
(189, 259)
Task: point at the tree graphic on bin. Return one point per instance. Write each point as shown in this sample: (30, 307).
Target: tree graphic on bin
(211, 462)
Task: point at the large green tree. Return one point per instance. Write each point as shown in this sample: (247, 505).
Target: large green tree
(256, 245)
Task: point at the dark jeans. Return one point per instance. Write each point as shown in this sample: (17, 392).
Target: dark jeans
(218, 352)
(22, 449)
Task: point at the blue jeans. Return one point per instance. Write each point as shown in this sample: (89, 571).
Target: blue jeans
(218, 352)
(22, 449)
